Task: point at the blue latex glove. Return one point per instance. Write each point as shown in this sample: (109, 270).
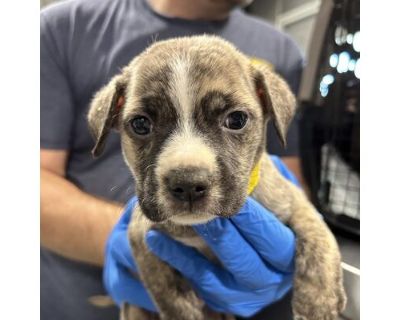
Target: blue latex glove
(257, 252)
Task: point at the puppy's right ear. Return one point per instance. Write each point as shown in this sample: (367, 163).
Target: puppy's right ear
(276, 98)
(105, 110)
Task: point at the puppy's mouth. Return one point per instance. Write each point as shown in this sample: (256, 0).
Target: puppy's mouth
(211, 203)
(192, 219)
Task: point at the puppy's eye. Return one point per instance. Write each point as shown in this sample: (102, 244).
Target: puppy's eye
(141, 125)
(236, 120)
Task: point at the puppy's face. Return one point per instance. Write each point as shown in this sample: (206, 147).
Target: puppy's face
(192, 115)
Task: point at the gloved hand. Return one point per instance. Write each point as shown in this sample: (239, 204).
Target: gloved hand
(257, 252)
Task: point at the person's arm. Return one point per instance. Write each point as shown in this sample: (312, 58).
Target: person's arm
(73, 223)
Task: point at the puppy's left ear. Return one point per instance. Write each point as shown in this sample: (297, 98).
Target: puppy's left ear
(275, 97)
(105, 110)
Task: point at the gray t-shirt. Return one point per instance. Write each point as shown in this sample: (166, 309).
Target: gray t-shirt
(83, 44)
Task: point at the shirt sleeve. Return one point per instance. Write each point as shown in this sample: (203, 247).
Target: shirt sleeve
(291, 71)
(56, 100)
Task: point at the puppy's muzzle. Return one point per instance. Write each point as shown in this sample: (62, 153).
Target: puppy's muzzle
(188, 184)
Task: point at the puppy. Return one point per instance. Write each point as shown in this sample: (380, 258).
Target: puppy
(192, 113)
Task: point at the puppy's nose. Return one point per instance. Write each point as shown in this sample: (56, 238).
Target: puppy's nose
(188, 192)
(189, 184)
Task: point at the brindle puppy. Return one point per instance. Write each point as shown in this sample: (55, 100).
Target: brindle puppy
(192, 114)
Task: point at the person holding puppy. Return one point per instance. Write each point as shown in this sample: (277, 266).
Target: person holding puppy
(83, 44)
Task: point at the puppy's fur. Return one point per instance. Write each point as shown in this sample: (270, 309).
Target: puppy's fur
(187, 87)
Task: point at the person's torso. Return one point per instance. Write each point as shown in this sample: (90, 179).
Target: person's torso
(96, 39)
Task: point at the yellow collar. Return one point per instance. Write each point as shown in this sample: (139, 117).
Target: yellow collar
(254, 178)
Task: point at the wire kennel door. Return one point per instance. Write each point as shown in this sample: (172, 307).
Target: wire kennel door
(330, 114)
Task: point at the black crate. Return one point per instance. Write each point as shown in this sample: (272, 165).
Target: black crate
(330, 115)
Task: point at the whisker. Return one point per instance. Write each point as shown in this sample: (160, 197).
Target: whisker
(112, 189)
(154, 38)
(148, 167)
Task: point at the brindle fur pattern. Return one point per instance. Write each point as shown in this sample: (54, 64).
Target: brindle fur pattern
(187, 86)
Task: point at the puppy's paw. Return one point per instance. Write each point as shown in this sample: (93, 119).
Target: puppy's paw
(318, 292)
(322, 301)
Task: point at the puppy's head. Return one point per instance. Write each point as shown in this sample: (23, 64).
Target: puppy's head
(192, 115)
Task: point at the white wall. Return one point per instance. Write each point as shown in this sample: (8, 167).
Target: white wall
(295, 17)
